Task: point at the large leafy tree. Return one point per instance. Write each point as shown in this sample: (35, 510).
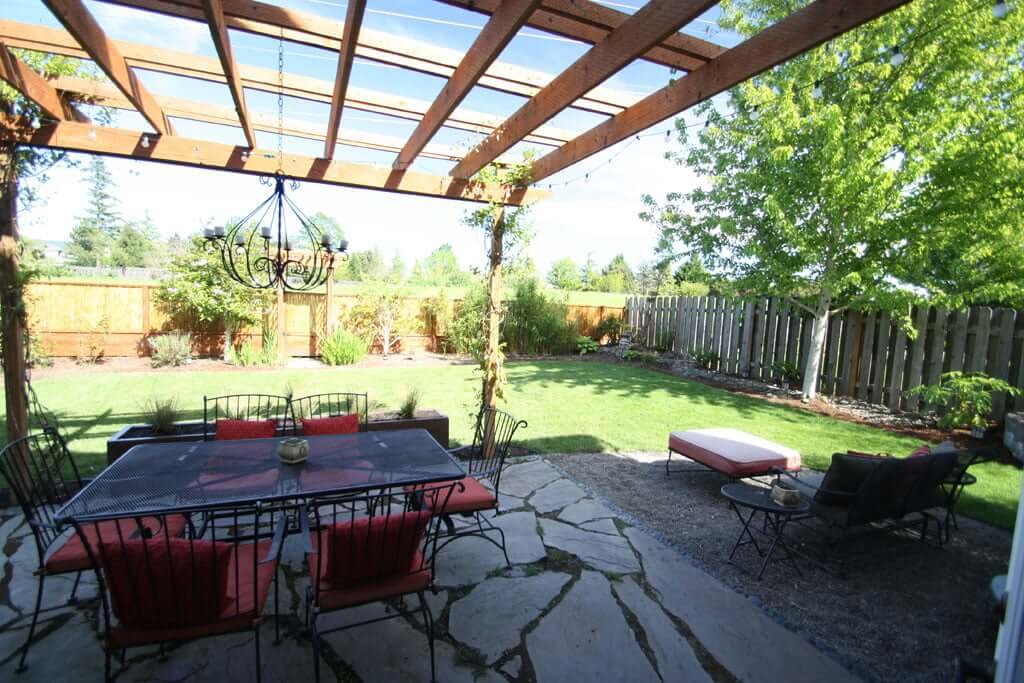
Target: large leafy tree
(843, 175)
(617, 276)
(96, 232)
(565, 274)
(441, 268)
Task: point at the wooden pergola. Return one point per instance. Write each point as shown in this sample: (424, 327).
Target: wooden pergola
(616, 40)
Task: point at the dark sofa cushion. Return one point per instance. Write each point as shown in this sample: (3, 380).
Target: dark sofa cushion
(846, 475)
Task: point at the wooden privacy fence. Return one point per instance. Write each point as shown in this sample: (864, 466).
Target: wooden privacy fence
(866, 354)
(70, 316)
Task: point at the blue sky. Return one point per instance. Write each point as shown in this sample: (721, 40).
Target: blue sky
(595, 216)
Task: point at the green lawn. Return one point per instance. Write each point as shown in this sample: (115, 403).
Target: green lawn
(571, 407)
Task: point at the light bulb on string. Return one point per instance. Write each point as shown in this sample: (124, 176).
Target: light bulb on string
(817, 92)
(145, 142)
(755, 114)
(1000, 9)
(897, 57)
(92, 133)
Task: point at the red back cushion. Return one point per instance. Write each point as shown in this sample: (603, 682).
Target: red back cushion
(376, 547)
(229, 430)
(167, 583)
(343, 424)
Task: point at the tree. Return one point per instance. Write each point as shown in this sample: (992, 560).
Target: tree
(397, 273)
(198, 285)
(565, 274)
(325, 224)
(136, 245)
(589, 274)
(833, 174)
(692, 270)
(441, 269)
(379, 313)
(94, 234)
(363, 266)
(617, 276)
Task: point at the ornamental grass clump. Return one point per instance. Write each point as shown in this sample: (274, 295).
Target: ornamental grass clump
(342, 348)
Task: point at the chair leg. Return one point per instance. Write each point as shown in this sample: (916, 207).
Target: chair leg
(106, 666)
(316, 652)
(277, 610)
(666, 462)
(504, 550)
(74, 589)
(32, 628)
(259, 666)
(428, 622)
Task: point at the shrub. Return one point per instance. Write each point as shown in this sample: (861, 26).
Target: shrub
(645, 357)
(91, 348)
(706, 360)
(466, 329)
(788, 372)
(536, 324)
(248, 355)
(173, 348)
(585, 345)
(407, 410)
(967, 397)
(611, 327)
(342, 348)
(161, 415)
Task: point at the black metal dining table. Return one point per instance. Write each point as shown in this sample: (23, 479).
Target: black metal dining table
(160, 478)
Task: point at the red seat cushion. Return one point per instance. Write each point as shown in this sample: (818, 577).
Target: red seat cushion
(229, 430)
(374, 547)
(342, 424)
(240, 610)
(167, 583)
(474, 498)
(71, 556)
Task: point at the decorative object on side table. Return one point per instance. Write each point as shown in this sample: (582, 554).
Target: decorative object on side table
(785, 494)
(293, 451)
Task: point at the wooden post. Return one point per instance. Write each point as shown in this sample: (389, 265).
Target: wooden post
(13, 329)
(492, 351)
(282, 327)
(330, 319)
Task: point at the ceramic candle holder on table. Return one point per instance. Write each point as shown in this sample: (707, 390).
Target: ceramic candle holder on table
(293, 451)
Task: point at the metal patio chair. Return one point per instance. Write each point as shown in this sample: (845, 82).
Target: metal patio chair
(374, 547)
(247, 416)
(331, 413)
(157, 589)
(486, 460)
(42, 474)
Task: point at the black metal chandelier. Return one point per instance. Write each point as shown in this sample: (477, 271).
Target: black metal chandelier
(258, 251)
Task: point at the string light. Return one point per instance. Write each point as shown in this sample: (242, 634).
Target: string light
(35, 124)
(817, 90)
(1000, 9)
(92, 133)
(755, 114)
(145, 142)
(897, 56)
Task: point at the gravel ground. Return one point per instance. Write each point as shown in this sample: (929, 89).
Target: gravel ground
(889, 606)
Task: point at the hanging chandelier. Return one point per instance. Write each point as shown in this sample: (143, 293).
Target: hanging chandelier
(258, 251)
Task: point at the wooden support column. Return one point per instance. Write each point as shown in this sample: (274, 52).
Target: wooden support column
(330, 319)
(492, 350)
(13, 330)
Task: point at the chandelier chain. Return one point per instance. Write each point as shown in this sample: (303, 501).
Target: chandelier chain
(280, 103)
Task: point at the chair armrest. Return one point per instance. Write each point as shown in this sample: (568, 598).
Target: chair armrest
(804, 486)
(278, 540)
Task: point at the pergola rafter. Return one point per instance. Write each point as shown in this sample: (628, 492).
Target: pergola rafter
(346, 55)
(82, 25)
(222, 42)
(35, 88)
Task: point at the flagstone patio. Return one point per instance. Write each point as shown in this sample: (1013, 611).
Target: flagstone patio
(589, 597)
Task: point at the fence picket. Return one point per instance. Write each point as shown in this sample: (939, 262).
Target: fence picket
(1000, 356)
(830, 368)
(917, 349)
(899, 358)
(958, 347)
(723, 341)
(978, 355)
(745, 352)
(853, 329)
(866, 356)
(939, 345)
(881, 358)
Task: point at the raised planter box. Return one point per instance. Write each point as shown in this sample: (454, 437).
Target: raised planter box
(135, 435)
(431, 420)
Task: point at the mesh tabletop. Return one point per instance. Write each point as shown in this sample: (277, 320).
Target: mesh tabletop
(167, 476)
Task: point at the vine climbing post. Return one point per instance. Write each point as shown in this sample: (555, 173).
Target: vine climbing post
(13, 323)
(492, 350)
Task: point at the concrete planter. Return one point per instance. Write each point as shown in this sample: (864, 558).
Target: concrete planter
(431, 420)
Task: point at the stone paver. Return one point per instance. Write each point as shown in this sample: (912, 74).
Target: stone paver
(521, 538)
(584, 511)
(586, 638)
(745, 640)
(600, 551)
(513, 667)
(556, 496)
(601, 526)
(675, 657)
(467, 561)
(522, 480)
(492, 615)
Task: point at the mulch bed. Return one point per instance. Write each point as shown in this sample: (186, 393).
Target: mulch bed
(888, 606)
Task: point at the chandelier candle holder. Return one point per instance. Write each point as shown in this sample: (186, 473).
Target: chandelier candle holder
(257, 251)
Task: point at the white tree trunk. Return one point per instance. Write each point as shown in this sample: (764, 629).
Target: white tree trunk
(813, 369)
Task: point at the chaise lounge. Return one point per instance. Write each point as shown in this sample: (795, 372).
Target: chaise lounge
(731, 452)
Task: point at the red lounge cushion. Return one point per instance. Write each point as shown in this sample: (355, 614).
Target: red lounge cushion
(240, 611)
(71, 556)
(374, 547)
(924, 449)
(733, 452)
(474, 498)
(167, 583)
(229, 430)
(343, 424)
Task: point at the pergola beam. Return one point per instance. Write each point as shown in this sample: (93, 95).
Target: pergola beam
(222, 42)
(489, 43)
(37, 89)
(346, 55)
(56, 41)
(109, 96)
(172, 149)
(649, 26)
(591, 23)
(272, 21)
(80, 23)
(803, 30)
